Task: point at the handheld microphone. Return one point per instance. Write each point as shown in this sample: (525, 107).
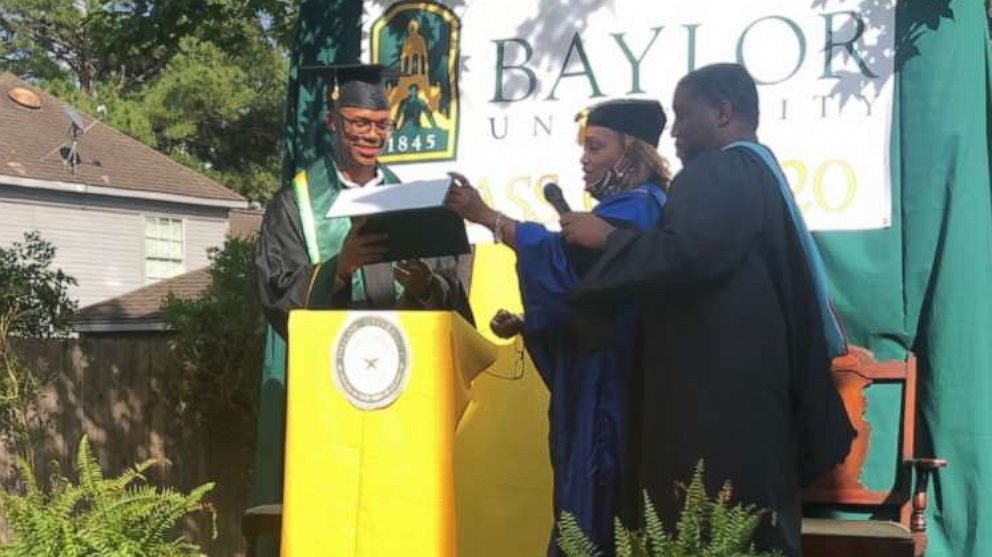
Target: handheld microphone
(553, 195)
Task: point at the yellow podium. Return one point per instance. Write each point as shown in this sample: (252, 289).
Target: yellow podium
(374, 400)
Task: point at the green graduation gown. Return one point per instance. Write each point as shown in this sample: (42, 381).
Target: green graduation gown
(295, 268)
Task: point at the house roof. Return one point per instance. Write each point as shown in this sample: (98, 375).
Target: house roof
(141, 309)
(244, 223)
(111, 162)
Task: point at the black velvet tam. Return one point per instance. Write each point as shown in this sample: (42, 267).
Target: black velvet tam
(643, 119)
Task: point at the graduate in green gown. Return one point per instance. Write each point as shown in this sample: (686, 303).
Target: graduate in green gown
(306, 260)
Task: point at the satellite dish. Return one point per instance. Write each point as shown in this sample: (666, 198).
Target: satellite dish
(70, 153)
(78, 125)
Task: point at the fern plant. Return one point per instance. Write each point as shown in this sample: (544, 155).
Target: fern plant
(98, 516)
(706, 528)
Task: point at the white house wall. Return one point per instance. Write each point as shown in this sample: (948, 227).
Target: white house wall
(99, 239)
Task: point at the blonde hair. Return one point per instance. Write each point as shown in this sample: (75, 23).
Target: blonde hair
(647, 164)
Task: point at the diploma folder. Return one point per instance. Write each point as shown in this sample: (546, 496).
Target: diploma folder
(411, 214)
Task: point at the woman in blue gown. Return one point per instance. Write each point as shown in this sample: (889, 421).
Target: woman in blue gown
(589, 390)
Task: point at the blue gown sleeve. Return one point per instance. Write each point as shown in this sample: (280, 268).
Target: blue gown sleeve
(634, 206)
(545, 273)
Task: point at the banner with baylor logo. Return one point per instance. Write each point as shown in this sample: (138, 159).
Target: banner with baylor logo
(421, 40)
(493, 88)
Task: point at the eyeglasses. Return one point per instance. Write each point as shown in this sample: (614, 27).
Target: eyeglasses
(362, 125)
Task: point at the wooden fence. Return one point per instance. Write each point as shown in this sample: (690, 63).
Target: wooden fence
(119, 392)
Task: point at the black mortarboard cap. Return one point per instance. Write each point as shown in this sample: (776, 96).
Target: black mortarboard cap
(643, 119)
(358, 85)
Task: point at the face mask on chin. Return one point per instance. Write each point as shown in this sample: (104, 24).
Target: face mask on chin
(612, 180)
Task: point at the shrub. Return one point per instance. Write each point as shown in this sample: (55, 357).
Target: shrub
(706, 528)
(34, 302)
(97, 516)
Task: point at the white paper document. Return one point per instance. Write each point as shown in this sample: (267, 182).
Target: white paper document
(356, 202)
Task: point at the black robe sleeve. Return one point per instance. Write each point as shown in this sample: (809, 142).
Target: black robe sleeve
(713, 216)
(282, 268)
(286, 280)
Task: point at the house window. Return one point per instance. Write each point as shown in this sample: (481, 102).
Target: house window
(163, 248)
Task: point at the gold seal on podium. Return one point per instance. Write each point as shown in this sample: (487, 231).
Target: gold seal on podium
(371, 364)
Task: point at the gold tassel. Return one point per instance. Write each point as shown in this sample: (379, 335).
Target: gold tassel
(582, 118)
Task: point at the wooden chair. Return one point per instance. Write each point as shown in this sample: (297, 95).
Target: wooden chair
(907, 500)
(263, 519)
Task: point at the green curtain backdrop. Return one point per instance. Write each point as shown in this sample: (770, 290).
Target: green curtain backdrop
(327, 32)
(926, 283)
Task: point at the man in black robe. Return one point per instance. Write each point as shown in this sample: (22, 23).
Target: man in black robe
(736, 334)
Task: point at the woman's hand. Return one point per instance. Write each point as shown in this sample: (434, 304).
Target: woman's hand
(465, 200)
(506, 324)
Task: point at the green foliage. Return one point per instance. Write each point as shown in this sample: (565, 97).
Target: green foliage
(97, 516)
(219, 339)
(200, 80)
(654, 538)
(706, 528)
(34, 299)
(34, 302)
(573, 541)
